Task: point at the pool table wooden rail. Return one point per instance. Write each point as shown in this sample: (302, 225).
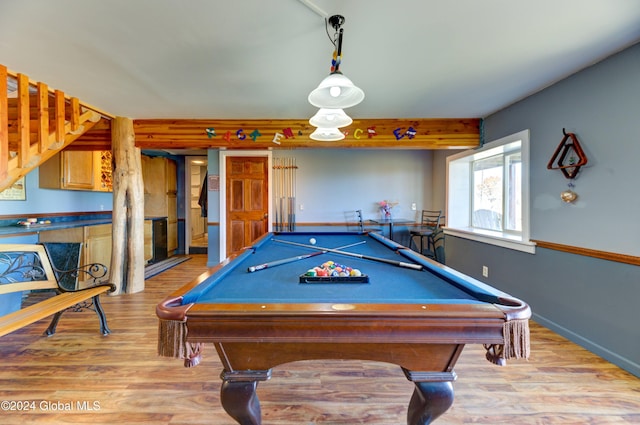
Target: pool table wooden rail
(424, 335)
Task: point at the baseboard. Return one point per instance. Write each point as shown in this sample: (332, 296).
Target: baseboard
(605, 353)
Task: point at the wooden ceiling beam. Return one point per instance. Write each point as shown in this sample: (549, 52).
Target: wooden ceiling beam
(420, 133)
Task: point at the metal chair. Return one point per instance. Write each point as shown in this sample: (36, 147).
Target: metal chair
(429, 227)
(361, 224)
(438, 240)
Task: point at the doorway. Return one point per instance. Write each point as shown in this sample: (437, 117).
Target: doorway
(196, 229)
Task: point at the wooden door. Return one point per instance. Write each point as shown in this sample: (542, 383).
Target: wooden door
(247, 200)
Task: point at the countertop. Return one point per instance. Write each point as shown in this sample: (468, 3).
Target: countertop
(17, 229)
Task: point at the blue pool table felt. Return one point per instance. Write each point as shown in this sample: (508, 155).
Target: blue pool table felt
(280, 284)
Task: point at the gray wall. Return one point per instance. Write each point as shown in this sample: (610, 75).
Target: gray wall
(331, 183)
(592, 302)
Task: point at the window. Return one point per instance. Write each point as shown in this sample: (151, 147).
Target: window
(488, 193)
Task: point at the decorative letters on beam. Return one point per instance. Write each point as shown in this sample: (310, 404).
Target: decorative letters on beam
(421, 133)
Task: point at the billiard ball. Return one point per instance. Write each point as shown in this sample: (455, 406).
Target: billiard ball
(312, 241)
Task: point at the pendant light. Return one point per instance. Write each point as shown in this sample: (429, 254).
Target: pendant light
(330, 118)
(327, 134)
(334, 93)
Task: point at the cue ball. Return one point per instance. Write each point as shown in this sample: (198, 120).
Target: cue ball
(312, 241)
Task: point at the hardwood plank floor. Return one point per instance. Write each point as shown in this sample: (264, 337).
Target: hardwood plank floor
(80, 377)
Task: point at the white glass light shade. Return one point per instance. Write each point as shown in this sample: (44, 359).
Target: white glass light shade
(327, 134)
(330, 118)
(336, 92)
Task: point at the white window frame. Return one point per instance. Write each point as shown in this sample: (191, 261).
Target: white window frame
(460, 193)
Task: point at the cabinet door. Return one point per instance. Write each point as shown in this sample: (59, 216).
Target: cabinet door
(78, 170)
(148, 240)
(98, 244)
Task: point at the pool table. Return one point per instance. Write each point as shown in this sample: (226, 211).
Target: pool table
(412, 312)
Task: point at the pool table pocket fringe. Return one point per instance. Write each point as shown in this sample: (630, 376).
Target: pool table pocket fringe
(516, 343)
(516, 339)
(172, 342)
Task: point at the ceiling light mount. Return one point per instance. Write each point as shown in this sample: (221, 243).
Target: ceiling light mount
(336, 21)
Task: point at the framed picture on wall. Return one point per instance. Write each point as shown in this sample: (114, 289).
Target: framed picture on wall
(17, 192)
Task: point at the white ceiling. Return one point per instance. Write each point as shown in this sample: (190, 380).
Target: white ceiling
(259, 59)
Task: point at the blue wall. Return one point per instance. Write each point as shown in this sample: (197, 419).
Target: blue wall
(46, 201)
(43, 201)
(590, 301)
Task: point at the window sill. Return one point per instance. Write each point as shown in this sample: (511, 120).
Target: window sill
(493, 238)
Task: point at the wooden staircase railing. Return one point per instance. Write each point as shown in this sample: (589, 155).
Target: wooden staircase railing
(36, 123)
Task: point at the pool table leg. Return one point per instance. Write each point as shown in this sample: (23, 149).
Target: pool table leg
(432, 396)
(238, 395)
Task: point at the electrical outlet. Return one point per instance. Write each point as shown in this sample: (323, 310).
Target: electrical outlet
(485, 271)
(301, 207)
(413, 206)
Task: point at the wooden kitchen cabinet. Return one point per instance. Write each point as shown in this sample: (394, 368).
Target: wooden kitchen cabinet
(77, 170)
(97, 243)
(148, 241)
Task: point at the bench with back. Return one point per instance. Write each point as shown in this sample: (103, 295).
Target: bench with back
(27, 267)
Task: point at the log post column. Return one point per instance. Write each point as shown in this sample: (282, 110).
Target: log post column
(127, 257)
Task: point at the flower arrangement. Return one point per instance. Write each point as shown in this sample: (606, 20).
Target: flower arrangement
(386, 206)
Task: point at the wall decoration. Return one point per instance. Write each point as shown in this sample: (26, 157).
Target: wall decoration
(254, 135)
(213, 182)
(400, 134)
(16, 192)
(568, 158)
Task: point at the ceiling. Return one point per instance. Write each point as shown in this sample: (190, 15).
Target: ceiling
(257, 59)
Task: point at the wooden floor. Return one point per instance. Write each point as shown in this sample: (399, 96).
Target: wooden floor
(80, 377)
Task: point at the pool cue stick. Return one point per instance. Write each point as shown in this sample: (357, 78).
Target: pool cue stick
(353, 254)
(280, 194)
(288, 199)
(275, 190)
(281, 189)
(285, 219)
(285, 171)
(294, 171)
(292, 205)
(281, 220)
(274, 263)
(292, 210)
